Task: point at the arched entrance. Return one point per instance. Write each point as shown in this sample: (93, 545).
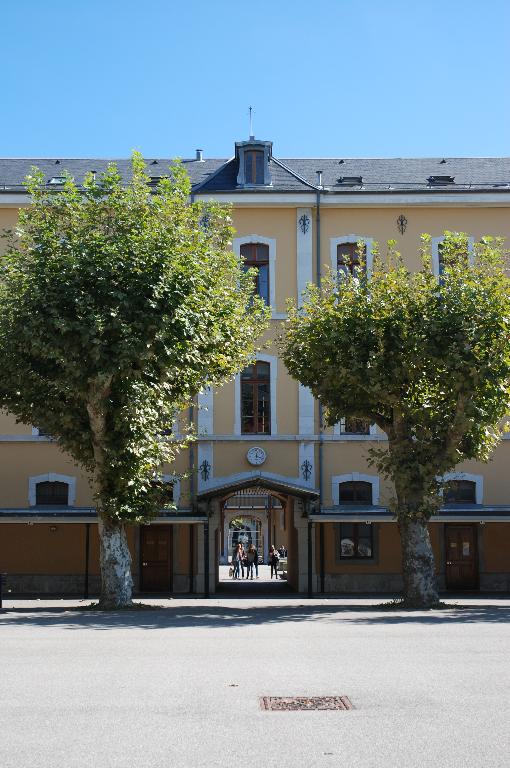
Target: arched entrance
(262, 509)
(252, 515)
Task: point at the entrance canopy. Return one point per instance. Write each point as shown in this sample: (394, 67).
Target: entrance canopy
(257, 479)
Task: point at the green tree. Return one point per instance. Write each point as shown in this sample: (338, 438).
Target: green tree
(425, 358)
(118, 304)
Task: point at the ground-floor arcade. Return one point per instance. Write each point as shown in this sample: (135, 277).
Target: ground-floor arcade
(330, 551)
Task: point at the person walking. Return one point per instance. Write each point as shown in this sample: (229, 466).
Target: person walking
(237, 560)
(273, 561)
(250, 560)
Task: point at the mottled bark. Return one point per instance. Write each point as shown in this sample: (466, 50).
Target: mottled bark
(418, 571)
(115, 563)
(114, 555)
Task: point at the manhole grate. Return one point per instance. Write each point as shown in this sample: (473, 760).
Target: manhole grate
(297, 703)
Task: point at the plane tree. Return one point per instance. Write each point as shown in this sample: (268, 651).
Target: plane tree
(119, 302)
(425, 357)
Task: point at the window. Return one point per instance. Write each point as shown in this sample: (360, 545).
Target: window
(52, 494)
(253, 167)
(355, 492)
(256, 399)
(166, 488)
(460, 492)
(256, 256)
(354, 426)
(57, 181)
(354, 541)
(347, 258)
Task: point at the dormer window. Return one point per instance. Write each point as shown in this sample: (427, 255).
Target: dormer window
(440, 181)
(351, 181)
(254, 167)
(253, 157)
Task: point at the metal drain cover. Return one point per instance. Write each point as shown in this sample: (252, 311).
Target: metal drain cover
(299, 703)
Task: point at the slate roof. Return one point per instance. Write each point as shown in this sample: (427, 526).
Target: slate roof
(294, 174)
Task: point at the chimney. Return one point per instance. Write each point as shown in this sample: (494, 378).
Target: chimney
(199, 155)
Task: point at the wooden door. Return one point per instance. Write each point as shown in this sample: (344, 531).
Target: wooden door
(461, 557)
(156, 558)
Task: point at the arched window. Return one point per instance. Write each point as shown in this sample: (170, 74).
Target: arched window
(52, 494)
(355, 492)
(348, 258)
(256, 399)
(253, 167)
(460, 492)
(256, 256)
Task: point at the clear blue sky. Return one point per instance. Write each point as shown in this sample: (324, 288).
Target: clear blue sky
(357, 78)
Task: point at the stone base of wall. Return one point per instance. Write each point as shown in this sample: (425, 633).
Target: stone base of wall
(49, 584)
(495, 582)
(363, 582)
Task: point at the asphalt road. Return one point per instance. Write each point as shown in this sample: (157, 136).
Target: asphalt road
(180, 686)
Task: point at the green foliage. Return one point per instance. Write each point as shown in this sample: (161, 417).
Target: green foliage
(117, 305)
(426, 359)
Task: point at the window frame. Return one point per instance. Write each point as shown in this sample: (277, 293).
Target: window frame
(254, 263)
(435, 251)
(273, 368)
(334, 242)
(253, 383)
(250, 157)
(271, 243)
(355, 484)
(61, 484)
(356, 537)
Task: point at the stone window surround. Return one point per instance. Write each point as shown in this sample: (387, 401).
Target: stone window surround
(51, 477)
(476, 479)
(434, 247)
(271, 243)
(338, 429)
(336, 480)
(334, 242)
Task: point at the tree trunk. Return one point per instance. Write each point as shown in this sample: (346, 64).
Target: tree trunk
(418, 571)
(115, 561)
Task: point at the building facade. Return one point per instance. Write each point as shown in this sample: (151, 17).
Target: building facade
(262, 453)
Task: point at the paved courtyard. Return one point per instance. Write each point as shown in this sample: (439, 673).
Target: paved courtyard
(180, 685)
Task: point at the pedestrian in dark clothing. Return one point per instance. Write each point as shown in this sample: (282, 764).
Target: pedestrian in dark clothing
(274, 559)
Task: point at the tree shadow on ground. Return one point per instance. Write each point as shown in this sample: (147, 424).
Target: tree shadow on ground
(218, 617)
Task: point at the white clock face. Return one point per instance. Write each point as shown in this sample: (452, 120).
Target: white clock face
(256, 456)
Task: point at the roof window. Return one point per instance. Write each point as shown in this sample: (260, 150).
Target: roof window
(57, 181)
(441, 180)
(351, 181)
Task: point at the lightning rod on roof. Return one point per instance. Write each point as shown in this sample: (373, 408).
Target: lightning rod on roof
(251, 111)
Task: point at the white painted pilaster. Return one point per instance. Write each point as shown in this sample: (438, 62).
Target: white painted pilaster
(304, 230)
(205, 454)
(206, 412)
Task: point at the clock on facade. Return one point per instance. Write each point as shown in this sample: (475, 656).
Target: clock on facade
(256, 455)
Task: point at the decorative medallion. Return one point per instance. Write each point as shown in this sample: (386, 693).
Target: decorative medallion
(205, 470)
(256, 455)
(304, 223)
(401, 223)
(306, 469)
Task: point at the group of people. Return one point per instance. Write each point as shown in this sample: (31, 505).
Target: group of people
(245, 559)
(248, 559)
